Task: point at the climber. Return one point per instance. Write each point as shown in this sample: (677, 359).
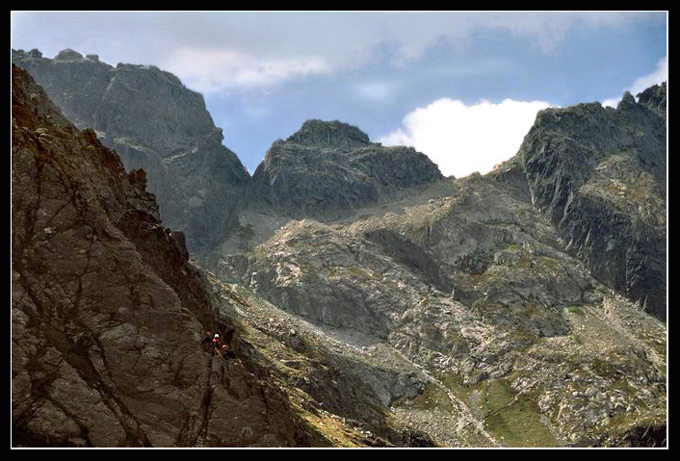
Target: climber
(216, 346)
(216, 343)
(226, 353)
(211, 342)
(208, 338)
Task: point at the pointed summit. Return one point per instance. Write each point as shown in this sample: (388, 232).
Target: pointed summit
(627, 99)
(330, 134)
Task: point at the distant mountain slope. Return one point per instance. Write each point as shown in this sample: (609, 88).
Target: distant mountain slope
(654, 99)
(154, 123)
(600, 174)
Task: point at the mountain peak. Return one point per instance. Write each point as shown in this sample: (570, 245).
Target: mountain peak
(68, 55)
(330, 134)
(627, 99)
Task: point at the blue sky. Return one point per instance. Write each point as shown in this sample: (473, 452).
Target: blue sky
(462, 87)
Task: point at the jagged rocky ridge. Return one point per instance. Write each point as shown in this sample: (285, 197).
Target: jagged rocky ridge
(654, 98)
(454, 307)
(158, 125)
(486, 295)
(600, 174)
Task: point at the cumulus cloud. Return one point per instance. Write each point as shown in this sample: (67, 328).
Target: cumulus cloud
(462, 139)
(213, 70)
(659, 75)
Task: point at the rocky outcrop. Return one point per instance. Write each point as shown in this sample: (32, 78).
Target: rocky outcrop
(330, 134)
(326, 170)
(600, 174)
(654, 99)
(329, 169)
(156, 124)
(108, 314)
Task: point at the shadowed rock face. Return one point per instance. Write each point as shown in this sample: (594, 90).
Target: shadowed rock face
(329, 169)
(600, 174)
(154, 123)
(107, 313)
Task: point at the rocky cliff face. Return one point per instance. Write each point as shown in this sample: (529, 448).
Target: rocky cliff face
(600, 174)
(327, 170)
(107, 313)
(156, 124)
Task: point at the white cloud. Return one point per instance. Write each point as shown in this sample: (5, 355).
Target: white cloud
(659, 75)
(213, 70)
(656, 77)
(463, 139)
(611, 102)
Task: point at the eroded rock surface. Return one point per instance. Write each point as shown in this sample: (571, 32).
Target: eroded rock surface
(386, 305)
(472, 290)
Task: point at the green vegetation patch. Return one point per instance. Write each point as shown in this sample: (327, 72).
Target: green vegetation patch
(358, 272)
(500, 394)
(516, 421)
(574, 309)
(519, 425)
